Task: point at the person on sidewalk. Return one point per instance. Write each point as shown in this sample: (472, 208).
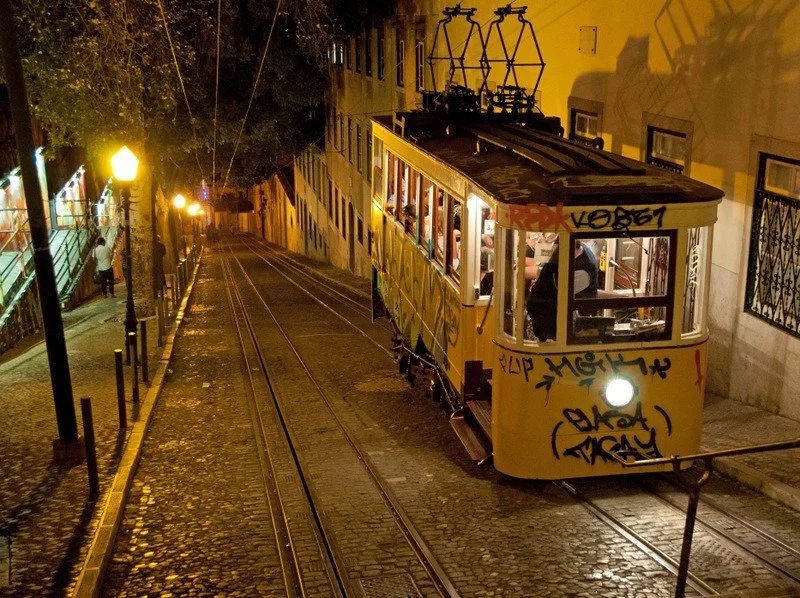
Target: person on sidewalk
(105, 268)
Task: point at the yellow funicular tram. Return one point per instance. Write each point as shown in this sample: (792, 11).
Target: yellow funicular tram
(560, 290)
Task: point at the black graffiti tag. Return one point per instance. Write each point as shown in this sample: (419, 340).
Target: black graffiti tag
(511, 364)
(609, 432)
(619, 218)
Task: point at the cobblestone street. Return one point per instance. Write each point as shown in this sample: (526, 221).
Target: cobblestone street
(198, 518)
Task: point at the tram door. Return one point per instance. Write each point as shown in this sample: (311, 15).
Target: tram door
(351, 239)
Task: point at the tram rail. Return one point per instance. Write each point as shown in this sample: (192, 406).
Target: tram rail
(695, 582)
(790, 572)
(424, 555)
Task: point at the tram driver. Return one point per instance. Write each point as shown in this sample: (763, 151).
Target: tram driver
(543, 296)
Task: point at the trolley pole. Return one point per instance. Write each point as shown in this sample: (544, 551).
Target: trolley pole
(43, 261)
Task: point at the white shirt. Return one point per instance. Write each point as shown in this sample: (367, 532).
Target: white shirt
(104, 257)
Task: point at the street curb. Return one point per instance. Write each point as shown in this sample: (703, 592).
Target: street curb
(752, 477)
(94, 565)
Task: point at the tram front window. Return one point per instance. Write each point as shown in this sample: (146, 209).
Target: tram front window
(622, 288)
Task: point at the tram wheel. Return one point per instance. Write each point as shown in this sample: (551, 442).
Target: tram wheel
(402, 363)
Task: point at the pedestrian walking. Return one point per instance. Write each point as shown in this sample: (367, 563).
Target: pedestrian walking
(104, 257)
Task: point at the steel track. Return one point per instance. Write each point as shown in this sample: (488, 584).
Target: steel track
(290, 564)
(636, 539)
(790, 574)
(424, 555)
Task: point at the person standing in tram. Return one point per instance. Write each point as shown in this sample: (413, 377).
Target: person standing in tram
(543, 298)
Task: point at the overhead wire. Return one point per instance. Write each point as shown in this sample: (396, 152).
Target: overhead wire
(183, 87)
(216, 102)
(252, 95)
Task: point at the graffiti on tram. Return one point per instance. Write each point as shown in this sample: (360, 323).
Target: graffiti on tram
(584, 367)
(599, 434)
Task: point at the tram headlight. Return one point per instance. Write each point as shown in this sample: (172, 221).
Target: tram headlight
(619, 392)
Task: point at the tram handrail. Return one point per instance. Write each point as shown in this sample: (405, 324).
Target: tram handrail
(732, 452)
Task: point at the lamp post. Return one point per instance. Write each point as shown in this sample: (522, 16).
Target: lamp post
(124, 165)
(179, 201)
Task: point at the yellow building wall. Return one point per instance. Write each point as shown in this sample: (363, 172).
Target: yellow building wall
(729, 71)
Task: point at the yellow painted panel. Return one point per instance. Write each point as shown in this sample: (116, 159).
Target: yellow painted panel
(550, 418)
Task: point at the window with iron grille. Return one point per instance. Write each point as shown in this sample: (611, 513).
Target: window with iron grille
(400, 50)
(360, 231)
(344, 218)
(358, 52)
(419, 65)
(381, 54)
(358, 148)
(330, 198)
(773, 270)
(340, 147)
(348, 53)
(666, 149)
(368, 52)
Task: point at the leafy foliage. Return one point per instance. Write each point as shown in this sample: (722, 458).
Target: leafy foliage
(101, 73)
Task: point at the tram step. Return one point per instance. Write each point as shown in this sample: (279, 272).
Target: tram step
(470, 438)
(482, 412)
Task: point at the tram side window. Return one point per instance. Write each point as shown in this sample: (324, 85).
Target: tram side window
(391, 194)
(697, 257)
(454, 213)
(377, 168)
(410, 209)
(511, 312)
(439, 227)
(622, 288)
(425, 201)
(541, 286)
(486, 252)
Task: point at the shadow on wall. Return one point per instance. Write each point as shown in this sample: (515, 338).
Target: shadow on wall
(727, 77)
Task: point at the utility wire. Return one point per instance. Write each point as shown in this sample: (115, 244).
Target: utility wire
(252, 95)
(216, 100)
(183, 87)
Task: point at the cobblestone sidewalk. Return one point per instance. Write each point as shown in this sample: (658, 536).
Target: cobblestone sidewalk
(730, 424)
(45, 513)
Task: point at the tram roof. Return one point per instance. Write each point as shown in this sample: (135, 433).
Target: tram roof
(527, 164)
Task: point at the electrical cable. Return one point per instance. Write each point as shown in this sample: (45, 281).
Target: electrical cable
(252, 95)
(183, 87)
(216, 101)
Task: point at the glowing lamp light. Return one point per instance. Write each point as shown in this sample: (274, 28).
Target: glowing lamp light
(619, 392)
(179, 201)
(193, 209)
(124, 164)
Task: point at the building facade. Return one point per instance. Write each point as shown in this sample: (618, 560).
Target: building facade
(705, 88)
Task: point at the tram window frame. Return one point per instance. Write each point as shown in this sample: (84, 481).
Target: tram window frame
(425, 219)
(439, 252)
(479, 244)
(698, 271)
(666, 301)
(401, 195)
(454, 271)
(411, 209)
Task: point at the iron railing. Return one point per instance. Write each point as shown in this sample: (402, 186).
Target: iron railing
(19, 245)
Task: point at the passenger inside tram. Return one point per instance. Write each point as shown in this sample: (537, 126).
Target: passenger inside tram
(542, 299)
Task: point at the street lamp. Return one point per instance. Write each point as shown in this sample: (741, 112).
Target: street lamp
(179, 201)
(124, 164)
(194, 211)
